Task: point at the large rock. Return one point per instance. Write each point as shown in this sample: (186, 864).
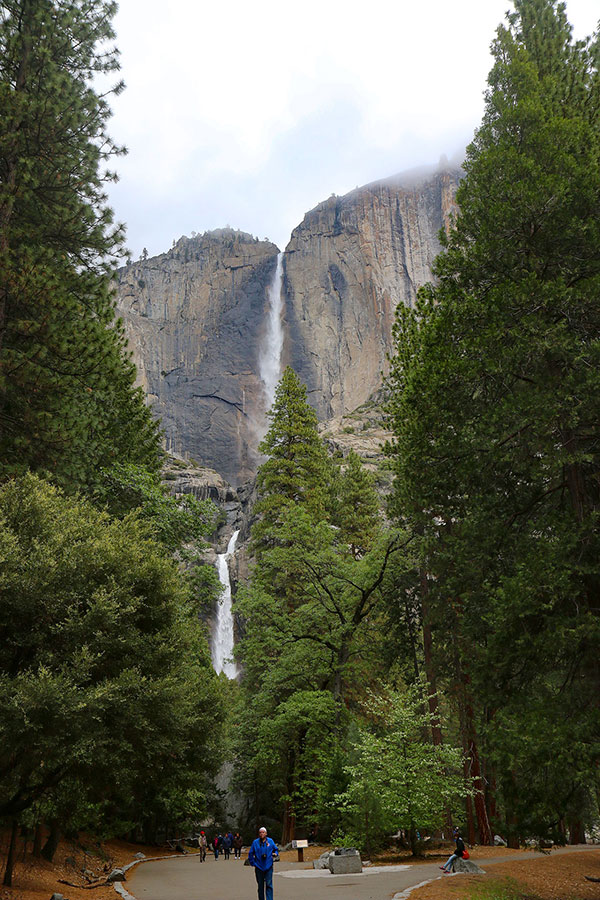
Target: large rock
(344, 862)
(116, 875)
(351, 262)
(195, 318)
(467, 867)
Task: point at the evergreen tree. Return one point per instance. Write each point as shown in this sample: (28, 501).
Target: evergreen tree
(297, 470)
(357, 513)
(67, 400)
(496, 410)
(311, 612)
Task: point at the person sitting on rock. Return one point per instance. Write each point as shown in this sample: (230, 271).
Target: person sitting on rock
(460, 848)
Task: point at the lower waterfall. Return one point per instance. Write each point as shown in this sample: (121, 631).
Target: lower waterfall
(222, 642)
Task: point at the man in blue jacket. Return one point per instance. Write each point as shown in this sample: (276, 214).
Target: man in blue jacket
(262, 853)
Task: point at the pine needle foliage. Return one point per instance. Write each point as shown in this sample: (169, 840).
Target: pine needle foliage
(496, 416)
(67, 396)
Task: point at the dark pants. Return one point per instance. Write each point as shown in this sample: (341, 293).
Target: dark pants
(264, 879)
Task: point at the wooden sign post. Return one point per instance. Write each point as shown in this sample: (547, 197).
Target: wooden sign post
(299, 846)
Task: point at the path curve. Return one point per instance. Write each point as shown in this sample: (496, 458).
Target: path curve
(188, 879)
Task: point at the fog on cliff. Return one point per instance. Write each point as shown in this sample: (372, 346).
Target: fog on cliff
(249, 114)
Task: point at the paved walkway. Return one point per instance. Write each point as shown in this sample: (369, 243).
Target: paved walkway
(188, 879)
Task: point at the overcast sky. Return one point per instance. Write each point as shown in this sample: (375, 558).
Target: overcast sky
(248, 114)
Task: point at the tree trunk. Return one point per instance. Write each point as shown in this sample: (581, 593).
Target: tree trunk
(576, 832)
(10, 859)
(471, 838)
(512, 825)
(51, 844)
(430, 674)
(483, 822)
(469, 743)
(37, 839)
(288, 832)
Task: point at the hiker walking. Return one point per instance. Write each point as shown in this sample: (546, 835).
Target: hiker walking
(262, 854)
(237, 845)
(202, 843)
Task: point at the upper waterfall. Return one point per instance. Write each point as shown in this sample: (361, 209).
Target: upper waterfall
(270, 356)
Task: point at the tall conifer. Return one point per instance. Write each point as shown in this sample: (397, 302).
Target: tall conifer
(67, 401)
(496, 416)
(298, 470)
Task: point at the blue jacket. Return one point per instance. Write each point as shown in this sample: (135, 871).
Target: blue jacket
(268, 849)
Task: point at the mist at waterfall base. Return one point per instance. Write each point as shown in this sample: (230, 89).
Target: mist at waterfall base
(270, 373)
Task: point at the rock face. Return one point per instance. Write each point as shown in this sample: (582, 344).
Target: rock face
(350, 263)
(195, 319)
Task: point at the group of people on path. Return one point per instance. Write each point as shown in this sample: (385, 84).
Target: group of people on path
(263, 852)
(221, 843)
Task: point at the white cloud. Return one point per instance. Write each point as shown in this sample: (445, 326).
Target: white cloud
(250, 113)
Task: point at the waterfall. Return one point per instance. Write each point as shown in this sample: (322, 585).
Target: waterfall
(270, 357)
(222, 642)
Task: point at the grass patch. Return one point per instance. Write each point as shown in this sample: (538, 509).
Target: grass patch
(506, 889)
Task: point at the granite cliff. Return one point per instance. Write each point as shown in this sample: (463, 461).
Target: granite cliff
(350, 263)
(196, 316)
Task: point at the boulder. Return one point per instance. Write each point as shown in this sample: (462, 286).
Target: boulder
(467, 867)
(140, 856)
(498, 841)
(345, 861)
(116, 875)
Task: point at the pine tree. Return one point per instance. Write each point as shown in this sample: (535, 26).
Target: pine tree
(357, 513)
(67, 397)
(298, 470)
(496, 415)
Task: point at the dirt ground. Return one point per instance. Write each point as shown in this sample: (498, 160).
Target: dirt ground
(37, 879)
(555, 877)
(552, 877)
